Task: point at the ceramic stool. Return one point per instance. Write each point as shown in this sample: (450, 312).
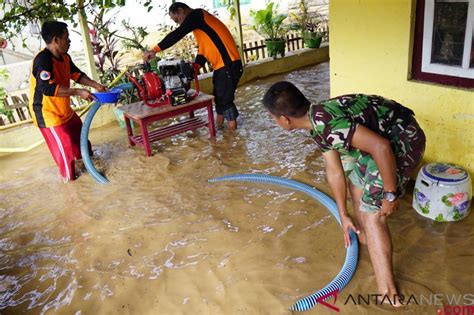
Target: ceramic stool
(442, 192)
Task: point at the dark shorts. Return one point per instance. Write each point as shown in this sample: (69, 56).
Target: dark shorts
(408, 144)
(225, 82)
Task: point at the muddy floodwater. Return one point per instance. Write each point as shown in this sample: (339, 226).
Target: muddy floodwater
(159, 239)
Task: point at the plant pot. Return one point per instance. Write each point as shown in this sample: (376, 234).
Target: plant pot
(311, 40)
(275, 47)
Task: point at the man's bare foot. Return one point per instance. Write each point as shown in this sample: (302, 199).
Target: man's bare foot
(393, 300)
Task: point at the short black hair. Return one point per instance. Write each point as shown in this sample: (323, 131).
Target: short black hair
(284, 98)
(51, 29)
(175, 6)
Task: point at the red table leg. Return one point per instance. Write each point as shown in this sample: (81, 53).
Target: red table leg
(210, 119)
(146, 116)
(129, 130)
(146, 140)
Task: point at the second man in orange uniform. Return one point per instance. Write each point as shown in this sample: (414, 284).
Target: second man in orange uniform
(216, 46)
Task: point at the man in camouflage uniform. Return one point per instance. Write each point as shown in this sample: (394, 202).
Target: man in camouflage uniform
(376, 143)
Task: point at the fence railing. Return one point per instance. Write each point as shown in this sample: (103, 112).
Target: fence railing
(256, 50)
(17, 105)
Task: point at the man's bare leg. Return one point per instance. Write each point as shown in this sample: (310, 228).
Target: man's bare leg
(219, 121)
(356, 195)
(379, 244)
(232, 124)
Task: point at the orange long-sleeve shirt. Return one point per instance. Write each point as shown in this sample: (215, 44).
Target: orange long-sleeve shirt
(214, 39)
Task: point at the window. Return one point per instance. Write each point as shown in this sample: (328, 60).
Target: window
(444, 42)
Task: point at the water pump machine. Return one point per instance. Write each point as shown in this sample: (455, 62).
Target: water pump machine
(168, 83)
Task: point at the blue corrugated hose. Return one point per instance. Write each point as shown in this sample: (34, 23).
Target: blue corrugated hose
(85, 148)
(85, 136)
(125, 86)
(352, 252)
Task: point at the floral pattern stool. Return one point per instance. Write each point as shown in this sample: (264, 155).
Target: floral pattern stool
(443, 192)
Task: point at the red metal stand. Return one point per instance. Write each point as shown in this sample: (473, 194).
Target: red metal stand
(145, 115)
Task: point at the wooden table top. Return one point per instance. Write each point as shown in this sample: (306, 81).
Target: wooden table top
(139, 110)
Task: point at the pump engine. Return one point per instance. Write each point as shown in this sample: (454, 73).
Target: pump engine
(170, 85)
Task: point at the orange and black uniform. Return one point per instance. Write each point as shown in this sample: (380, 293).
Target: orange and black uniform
(217, 46)
(57, 121)
(47, 74)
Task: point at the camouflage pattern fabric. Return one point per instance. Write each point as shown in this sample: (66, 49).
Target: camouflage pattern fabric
(334, 122)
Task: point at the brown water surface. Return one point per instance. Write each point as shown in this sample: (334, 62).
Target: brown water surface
(159, 239)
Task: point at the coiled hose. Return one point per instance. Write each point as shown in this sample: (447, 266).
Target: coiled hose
(352, 252)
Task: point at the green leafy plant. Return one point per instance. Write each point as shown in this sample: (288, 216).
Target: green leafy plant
(138, 34)
(109, 45)
(268, 23)
(105, 45)
(3, 95)
(311, 24)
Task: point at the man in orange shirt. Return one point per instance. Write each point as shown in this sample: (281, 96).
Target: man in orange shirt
(217, 46)
(50, 92)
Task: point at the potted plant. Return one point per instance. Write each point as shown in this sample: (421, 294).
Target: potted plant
(268, 23)
(310, 24)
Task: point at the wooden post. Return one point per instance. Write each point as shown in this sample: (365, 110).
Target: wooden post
(251, 51)
(246, 53)
(90, 63)
(256, 50)
(238, 19)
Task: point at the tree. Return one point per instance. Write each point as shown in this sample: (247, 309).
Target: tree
(18, 14)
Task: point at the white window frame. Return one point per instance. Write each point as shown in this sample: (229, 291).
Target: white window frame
(457, 71)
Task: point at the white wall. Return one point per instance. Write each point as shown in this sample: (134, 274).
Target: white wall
(18, 76)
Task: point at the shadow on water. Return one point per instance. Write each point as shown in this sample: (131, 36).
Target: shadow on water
(160, 239)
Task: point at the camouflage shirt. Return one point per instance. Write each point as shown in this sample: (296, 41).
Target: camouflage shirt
(334, 121)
